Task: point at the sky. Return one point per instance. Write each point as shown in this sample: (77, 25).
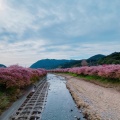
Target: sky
(31, 30)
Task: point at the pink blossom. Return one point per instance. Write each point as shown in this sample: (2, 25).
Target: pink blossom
(19, 76)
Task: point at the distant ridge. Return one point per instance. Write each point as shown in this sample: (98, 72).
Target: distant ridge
(98, 59)
(49, 63)
(113, 58)
(94, 59)
(54, 63)
(91, 61)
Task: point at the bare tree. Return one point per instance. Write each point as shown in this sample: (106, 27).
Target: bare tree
(84, 63)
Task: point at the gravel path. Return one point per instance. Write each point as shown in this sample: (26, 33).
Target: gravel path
(95, 100)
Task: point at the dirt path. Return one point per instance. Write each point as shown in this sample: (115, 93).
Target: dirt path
(97, 102)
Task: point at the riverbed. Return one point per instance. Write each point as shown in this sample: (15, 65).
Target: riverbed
(51, 100)
(60, 105)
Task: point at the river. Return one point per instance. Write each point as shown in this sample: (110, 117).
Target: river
(60, 105)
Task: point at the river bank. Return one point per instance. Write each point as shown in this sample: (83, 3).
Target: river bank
(96, 102)
(51, 100)
(14, 105)
(60, 105)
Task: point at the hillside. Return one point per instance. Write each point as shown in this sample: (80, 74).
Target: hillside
(72, 64)
(94, 59)
(49, 63)
(113, 58)
(1, 65)
(91, 61)
(98, 59)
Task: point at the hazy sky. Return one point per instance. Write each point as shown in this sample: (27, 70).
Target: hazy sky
(63, 29)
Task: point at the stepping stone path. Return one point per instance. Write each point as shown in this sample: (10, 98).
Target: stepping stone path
(33, 105)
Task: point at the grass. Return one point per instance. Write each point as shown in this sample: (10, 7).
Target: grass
(10, 95)
(7, 97)
(105, 82)
(101, 79)
(4, 101)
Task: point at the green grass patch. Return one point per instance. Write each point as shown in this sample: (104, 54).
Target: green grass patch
(7, 97)
(96, 79)
(72, 74)
(4, 101)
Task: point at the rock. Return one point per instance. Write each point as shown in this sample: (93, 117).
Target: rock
(77, 117)
(71, 110)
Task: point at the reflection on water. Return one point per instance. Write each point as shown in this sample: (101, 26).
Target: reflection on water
(59, 105)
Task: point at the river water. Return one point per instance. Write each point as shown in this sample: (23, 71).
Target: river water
(60, 105)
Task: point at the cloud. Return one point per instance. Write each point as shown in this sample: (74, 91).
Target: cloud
(33, 30)
(77, 18)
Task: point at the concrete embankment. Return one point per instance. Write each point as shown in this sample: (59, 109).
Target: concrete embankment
(20, 108)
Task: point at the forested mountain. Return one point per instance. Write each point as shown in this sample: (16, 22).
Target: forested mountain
(98, 59)
(49, 63)
(94, 59)
(53, 63)
(113, 58)
(91, 61)
(75, 63)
